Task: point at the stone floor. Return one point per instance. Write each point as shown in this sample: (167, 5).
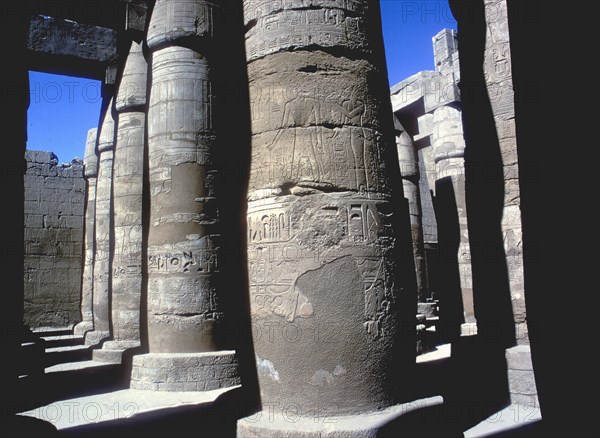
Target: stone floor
(75, 407)
(117, 406)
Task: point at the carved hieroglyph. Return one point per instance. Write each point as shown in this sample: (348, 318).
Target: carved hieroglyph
(90, 172)
(128, 180)
(103, 230)
(322, 222)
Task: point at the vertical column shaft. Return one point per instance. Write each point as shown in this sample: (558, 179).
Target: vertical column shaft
(90, 172)
(448, 150)
(103, 230)
(409, 169)
(184, 294)
(128, 181)
(323, 226)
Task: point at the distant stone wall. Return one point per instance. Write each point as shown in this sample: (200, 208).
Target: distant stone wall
(54, 209)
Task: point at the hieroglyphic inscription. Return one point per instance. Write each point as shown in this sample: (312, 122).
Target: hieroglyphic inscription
(300, 28)
(276, 265)
(271, 225)
(260, 8)
(184, 262)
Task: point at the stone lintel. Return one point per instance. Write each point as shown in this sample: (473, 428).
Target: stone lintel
(61, 37)
(434, 89)
(411, 89)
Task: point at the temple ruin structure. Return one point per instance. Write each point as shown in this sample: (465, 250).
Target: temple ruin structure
(383, 271)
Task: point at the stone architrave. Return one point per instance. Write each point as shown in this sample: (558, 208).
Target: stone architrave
(324, 239)
(409, 169)
(90, 172)
(128, 181)
(184, 296)
(103, 231)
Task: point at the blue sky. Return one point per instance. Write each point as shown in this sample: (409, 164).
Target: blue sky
(63, 108)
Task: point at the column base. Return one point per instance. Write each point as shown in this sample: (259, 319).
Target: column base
(468, 329)
(185, 371)
(284, 420)
(83, 327)
(95, 337)
(521, 379)
(107, 355)
(112, 351)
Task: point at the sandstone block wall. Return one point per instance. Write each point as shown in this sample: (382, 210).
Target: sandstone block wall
(54, 209)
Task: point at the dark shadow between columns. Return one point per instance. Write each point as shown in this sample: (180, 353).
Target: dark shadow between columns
(232, 124)
(449, 291)
(484, 186)
(557, 112)
(478, 362)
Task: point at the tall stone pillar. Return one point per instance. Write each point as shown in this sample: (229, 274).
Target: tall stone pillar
(90, 172)
(184, 294)
(448, 153)
(103, 230)
(494, 187)
(128, 181)
(326, 275)
(409, 169)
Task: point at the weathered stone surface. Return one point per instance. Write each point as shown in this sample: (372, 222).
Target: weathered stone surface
(409, 169)
(499, 86)
(183, 241)
(438, 135)
(128, 184)
(53, 239)
(103, 230)
(136, 14)
(279, 26)
(293, 421)
(426, 188)
(132, 86)
(307, 255)
(519, 358)
(108, 355)
(90, 172)
(127, 201)
(322, 221)
(448, 146)
(177, 20)
(185, 371)
(184, 307)
(407, 156)
(521, 386)
(445, 47)
(306, 110)
(67, 38)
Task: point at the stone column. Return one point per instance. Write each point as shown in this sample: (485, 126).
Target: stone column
(90, 172)
(324, 237)
(448, 153)
(103, 231)
(184, 295)
(128, 180)
(409, 169)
